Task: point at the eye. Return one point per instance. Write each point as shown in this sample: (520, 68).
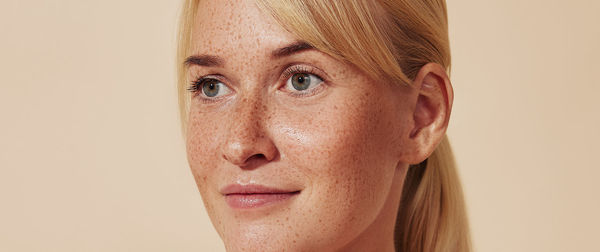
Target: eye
(302, 82)
(209, 87)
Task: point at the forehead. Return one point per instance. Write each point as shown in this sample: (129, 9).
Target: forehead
(228, 27)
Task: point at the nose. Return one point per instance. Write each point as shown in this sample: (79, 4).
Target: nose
(248, 144)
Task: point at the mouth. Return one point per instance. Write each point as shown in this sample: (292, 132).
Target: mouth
(255, 196)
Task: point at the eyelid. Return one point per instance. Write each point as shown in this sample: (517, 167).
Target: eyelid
(295, 68)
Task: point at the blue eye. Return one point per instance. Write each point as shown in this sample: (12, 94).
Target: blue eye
(210, 88)
(302, 82)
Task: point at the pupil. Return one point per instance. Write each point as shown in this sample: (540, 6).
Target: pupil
(211, 89)
(301, 81)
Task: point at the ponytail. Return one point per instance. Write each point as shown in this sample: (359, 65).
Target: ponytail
(431, 216)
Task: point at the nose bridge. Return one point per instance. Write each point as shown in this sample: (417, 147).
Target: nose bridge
(250, 107)
(248, 116)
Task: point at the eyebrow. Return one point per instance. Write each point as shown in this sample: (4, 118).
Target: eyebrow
(212, 60)
(288, 50)
(204, 60)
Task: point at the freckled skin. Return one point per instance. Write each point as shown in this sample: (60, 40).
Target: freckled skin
(341, 147)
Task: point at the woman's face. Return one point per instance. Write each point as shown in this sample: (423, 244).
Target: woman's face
(289, 147)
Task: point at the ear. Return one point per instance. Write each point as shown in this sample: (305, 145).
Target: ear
(432, 111)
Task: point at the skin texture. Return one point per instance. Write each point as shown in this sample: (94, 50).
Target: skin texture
(346, 146)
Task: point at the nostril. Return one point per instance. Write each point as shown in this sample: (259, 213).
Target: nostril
(255, 157)
(254, 162)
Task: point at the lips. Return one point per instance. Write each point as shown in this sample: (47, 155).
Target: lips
(254, 196)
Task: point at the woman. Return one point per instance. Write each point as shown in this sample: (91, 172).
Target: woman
(320, 125)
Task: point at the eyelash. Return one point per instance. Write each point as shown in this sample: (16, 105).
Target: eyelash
(196, 85)
(298, 69)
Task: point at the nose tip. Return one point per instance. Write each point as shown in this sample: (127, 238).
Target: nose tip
(247, 152)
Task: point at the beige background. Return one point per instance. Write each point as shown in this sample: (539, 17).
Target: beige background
(91, 158)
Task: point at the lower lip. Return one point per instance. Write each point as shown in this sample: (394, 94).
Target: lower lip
(246, 201)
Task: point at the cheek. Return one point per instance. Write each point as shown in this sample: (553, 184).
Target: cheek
(202, 147)
(357, 134)
(353, 147)
(345, 149)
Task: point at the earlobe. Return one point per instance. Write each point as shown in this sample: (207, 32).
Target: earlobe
(432, 110)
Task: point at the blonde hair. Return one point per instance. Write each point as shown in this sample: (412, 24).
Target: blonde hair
(389, 40)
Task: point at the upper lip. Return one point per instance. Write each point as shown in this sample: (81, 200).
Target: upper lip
(253, 189)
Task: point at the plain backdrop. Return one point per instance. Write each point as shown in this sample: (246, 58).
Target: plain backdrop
(92, 159)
